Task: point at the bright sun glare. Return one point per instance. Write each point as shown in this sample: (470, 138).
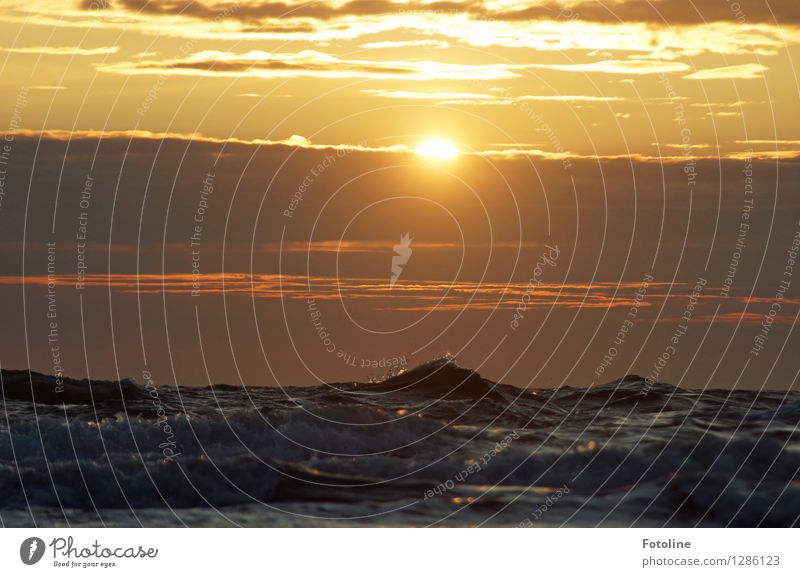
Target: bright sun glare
(438, 149)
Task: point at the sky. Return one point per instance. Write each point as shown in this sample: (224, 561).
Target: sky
(556, 192)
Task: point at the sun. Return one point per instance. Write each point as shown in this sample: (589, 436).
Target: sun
(437, 149)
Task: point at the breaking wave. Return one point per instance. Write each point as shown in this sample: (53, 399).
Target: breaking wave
(435, 444)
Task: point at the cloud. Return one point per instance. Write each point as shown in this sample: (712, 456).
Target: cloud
(294, 141)
(375, 246)
(417, 295)
(405, 44)
(738, 72)
(766, 155)
(405, 295)
(656, 29)
(440, 96)
(620, 67)
(729, 114)
(311, 63)
(726, 105)
(770, 142)
(161, 177)
(486, 99)
(666, 12)
(62, 50)
(509, 151)
(681, 146)
(46, 87)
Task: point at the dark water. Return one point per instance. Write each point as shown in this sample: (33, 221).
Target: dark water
(436, 445)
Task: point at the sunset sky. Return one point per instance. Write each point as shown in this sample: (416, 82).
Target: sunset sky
(226, 184)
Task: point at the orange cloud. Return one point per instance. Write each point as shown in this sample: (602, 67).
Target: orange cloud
(310, 63)
(738, 72)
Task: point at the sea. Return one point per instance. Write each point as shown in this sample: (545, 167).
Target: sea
(435, 445)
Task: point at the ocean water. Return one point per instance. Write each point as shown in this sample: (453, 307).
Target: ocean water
(436, 445)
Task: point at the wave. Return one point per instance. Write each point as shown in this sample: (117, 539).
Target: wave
(626, 450)
(24, 385)
(440, 378)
